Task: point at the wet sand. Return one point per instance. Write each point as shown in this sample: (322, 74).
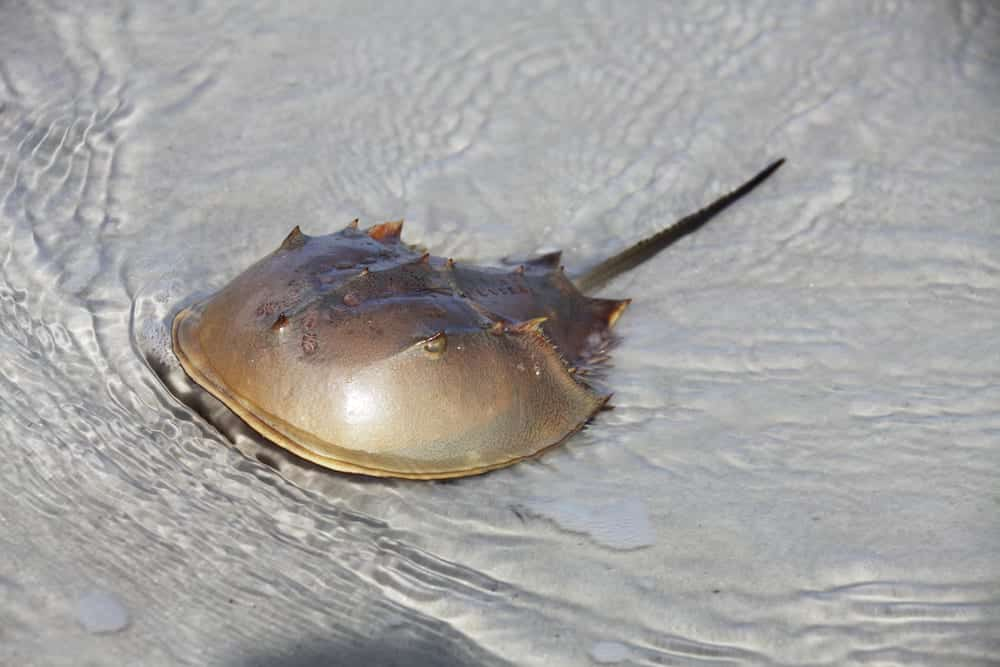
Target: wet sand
(802, 460)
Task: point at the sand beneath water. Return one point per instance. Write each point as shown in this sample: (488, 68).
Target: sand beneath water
(802, 464)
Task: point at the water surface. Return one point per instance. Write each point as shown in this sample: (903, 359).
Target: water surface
(801, 466)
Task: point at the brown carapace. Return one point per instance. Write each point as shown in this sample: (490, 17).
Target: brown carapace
(358, 352)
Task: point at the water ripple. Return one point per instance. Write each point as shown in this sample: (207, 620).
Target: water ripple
(801, 464)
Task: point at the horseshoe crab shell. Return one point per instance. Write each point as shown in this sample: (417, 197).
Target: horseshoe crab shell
(358, 352)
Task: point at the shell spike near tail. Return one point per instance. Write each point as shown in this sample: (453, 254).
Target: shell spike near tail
(645, 249)
(609, 310)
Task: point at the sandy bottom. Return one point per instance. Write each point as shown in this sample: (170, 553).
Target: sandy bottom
(802, 464)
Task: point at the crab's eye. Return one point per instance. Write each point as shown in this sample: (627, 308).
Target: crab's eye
(436, 345)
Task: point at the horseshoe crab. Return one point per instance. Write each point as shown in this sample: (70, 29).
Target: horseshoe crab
(363, 354)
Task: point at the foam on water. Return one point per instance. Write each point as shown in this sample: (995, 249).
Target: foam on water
(617, 523)
(609, 653)
(101, 612)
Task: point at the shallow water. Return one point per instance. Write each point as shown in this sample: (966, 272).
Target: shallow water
(801, 465)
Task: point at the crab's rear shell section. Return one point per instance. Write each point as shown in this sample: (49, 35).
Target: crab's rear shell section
(361, 354)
